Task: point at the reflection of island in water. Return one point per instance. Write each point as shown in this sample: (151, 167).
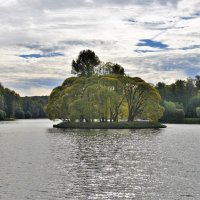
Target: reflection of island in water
(110, 164)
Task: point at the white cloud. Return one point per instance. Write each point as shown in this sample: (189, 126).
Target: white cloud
(111, 28)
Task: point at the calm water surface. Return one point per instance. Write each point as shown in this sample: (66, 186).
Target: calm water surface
(38, 162)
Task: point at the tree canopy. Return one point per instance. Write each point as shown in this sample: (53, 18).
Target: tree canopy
(106, 97)
(85, 64)
(14, 106)
(110, 68)
(180, 99)
(102, 91)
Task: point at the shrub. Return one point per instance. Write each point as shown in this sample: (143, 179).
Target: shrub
(198, 111)
(28, 115)
(173, 112)
(19, 114)
(2, 115)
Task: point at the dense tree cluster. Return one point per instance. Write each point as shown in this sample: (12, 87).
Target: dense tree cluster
(102, 91)
(88, 63)
(33, 107)
(180, 99)
(14, 106)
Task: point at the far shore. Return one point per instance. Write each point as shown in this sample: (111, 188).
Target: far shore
(183, 121)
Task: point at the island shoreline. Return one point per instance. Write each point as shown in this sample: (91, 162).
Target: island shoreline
(96, 125)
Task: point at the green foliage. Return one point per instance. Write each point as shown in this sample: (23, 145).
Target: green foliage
(173, 112)
(85, 64)
(191, 121)
(197, 82)
(185, 93)
(2, 102)
(69, 81)
(104, 98)
(28, 114)
(142, 99)
(21, 107)
(19, 114)
(198, 111)
(111, 68)
(53, 108)
(180, 91)
(2, 115)
(193, 103)
(33, 107)
(9, 101)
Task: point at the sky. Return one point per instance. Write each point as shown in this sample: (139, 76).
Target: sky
(157, 40)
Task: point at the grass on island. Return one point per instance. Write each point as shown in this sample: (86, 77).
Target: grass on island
(113, 125)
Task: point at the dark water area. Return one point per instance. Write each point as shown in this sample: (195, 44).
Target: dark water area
(39, 162)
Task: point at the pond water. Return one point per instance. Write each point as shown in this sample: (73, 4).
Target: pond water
(39, 162)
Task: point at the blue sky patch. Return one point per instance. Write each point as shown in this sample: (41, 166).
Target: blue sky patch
(48, 55)
(36, 82)
(152, 43)
(187, 18)
(192, 72)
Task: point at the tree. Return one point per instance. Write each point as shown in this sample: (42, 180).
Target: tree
(104, 97)
(88, 98)
(85, 64)
(198, 111)
(53, 108)
(197, 82)
(2, 115)
(139, 95)
(12, 102)
(152, 110)
(116, 98)
(2, 103)
(111, 68)
(173, 112)
(193, 103)
(19, 114)
(28, 114)
(34, 105)
(69, 81)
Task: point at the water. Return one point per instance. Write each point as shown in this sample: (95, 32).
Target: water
(38, 162)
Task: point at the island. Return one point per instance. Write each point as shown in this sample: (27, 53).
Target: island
(102, 96)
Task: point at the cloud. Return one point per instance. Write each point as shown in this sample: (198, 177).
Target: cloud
(165, 67)
(34, 86)
(48, 55)
(61, 4)
(188, 18)
(191, 47)
(47, 82)
(89, 43)
(152, 38)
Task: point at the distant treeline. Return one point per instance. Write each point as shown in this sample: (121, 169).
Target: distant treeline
(12, 106)
(180, 99)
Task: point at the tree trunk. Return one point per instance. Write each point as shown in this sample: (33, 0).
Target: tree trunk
(130, 117)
